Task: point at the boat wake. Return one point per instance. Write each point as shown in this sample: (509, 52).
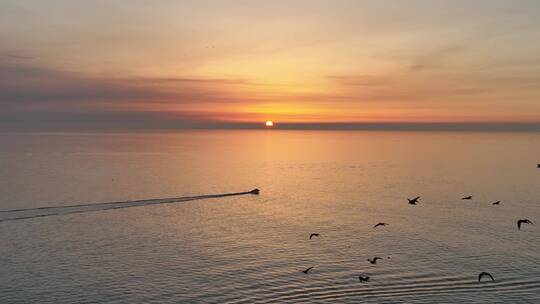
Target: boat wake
(29, 213)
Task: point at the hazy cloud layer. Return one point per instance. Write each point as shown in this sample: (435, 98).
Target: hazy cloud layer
(175, 64)
(27, 84)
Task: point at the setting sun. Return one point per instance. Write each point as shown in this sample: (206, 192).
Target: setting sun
(269, 123)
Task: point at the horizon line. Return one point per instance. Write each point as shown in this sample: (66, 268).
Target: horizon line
(322, 126)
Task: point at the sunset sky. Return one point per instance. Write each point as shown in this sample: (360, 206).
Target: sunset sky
(71, 64)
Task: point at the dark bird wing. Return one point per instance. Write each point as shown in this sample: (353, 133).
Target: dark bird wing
(312, 235)
(380, 224)
(307, 270)
(363, 279)
(482, 274)
(524, 221)
(467, 197)
(497, 202)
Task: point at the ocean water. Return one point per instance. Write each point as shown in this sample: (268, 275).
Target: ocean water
(252, 248)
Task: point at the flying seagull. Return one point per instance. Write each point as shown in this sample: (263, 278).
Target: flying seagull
(523, 221)
(307, 270)
(414, 200)
(314, 234)
(363, 279)
(374, 260)
(467, 197)
(496, 203)
(380, 224)
(482, 274)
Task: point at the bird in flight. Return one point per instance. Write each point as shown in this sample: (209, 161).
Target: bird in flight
(307, 270)
(380, 224)
(374, 260)
(523, 221)
(363, 279)
(414, 200)
(314, 234)
(496, 203)
(467, 197)
(482, 274)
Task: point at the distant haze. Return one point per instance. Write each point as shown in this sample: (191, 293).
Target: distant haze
(343, 64)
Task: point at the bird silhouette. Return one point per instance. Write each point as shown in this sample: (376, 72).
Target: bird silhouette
(363, 279)
(523, 221)
(496, 203)
(374, 260)
(380, 224)
(467, 197)
(414, 200)
(307, 270)
(314, 234)
(482, 274)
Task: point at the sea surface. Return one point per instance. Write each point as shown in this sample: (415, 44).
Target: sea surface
(252, 248)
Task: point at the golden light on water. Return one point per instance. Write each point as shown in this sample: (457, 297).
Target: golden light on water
(269, 123)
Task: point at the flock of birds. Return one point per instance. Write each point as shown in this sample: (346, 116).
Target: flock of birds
(415, 201)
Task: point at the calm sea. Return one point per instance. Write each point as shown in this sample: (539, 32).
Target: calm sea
(251, 249)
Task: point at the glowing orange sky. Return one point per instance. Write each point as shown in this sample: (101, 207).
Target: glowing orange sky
(288, 61)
